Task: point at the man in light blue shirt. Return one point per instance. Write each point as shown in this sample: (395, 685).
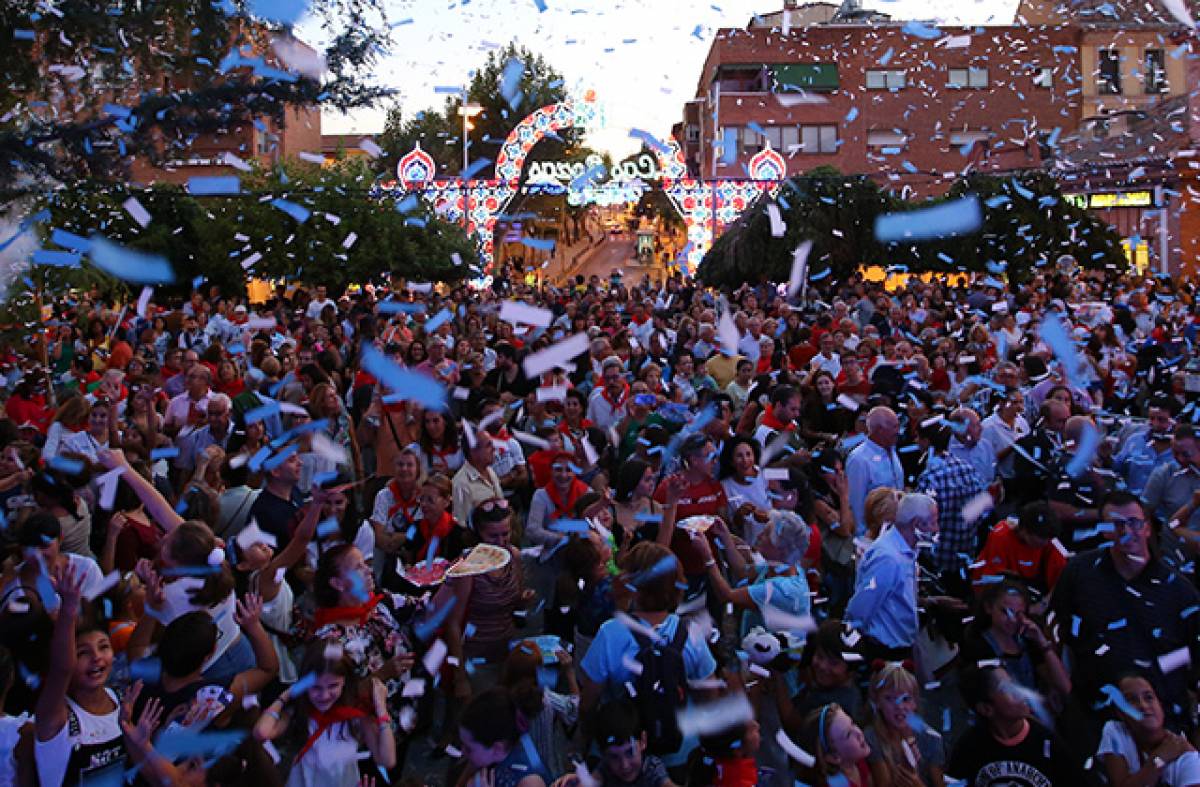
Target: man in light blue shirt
(874, 463)
(969, 444)
(884, 604)
(1146, 448)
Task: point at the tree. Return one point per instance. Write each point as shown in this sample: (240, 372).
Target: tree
(350, 236)
(96, 82)
(439, 132)
(1026, 222)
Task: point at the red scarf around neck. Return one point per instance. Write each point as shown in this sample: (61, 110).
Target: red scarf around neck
(335, 715)
(617, 405)
(771, 422)
(438, 530)
(359, 612)
(400, 504)
(563, 511)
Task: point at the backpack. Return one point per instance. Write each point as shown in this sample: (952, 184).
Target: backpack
(661, 689)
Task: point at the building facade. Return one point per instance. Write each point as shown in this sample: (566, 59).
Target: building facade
(916, 105)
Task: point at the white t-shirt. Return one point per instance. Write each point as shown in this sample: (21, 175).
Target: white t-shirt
(93, 581)
(1182, 772)
(95, 740)
(10, 734)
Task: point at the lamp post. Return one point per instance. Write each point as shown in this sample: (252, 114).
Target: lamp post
(467, 111)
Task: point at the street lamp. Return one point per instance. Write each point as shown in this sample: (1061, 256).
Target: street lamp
(467, 111)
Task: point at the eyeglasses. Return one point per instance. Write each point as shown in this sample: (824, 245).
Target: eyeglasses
(1132, 525)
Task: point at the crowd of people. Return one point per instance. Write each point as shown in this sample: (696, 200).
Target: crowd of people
(608, 533)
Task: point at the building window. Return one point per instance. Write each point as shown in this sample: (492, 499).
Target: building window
(1043, 76)
(968, 138)
(968, 78)
(888, 140)
(818, 139)
(1109, 72)
(742, 79)
(692, 133)
(1156, 71)
(883, 79)
(805, 77)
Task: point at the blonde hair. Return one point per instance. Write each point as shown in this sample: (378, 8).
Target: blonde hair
(880, 508)
(893, 676)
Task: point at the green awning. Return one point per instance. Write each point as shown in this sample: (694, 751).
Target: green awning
(805, 76)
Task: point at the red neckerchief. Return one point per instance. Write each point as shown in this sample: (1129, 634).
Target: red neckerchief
(439, 530)
(359, 613)
(399, 504)
(619, 404)
(502, 434)
(584, 425)
(737, 772)
(335, 715)
(578, 488)
(771, 422)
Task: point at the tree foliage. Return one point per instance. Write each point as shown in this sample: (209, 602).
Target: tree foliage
(350, 236)
(92, 83)
(439, 131)
(1026, 222)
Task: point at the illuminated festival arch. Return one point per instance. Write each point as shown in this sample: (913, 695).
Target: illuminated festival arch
(706, 206)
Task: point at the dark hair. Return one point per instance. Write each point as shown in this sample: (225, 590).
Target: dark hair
(1121, 497)
(321, 656)
(38, 530)
(575, 393)
(8, 671)
(491, 717)
(617, 722)
(657, 590)
(726, 468)
(191, 544)
(329, 566)
(629, 475)
(481, 516)
(1039, 519)
(783, 394)
(1185, 432)
(977, 683)
(186, 642)
(692, 445)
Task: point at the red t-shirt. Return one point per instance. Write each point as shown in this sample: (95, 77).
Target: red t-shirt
(706, 498)
(1005, 551)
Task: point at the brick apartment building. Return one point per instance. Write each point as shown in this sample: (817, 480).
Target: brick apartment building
(915, 105)
(839, 86)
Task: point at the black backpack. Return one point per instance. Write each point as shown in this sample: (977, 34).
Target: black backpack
(661, 689)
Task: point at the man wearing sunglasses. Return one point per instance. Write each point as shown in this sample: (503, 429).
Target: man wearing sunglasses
(1119, 609)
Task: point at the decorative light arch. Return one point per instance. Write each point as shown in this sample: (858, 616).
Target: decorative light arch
(707, 207)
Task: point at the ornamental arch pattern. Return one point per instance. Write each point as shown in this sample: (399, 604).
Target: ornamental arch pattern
(706, 206)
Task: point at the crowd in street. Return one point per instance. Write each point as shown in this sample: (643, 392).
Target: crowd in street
(606, 533)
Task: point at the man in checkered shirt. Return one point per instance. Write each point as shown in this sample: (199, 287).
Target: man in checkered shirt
(953, 484)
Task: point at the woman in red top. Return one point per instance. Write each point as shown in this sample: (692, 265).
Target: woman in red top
(698, 493)
(229, 379)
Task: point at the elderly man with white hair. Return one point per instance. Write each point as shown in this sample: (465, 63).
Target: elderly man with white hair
(609, 401)
(874, 463)
(884, 604)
